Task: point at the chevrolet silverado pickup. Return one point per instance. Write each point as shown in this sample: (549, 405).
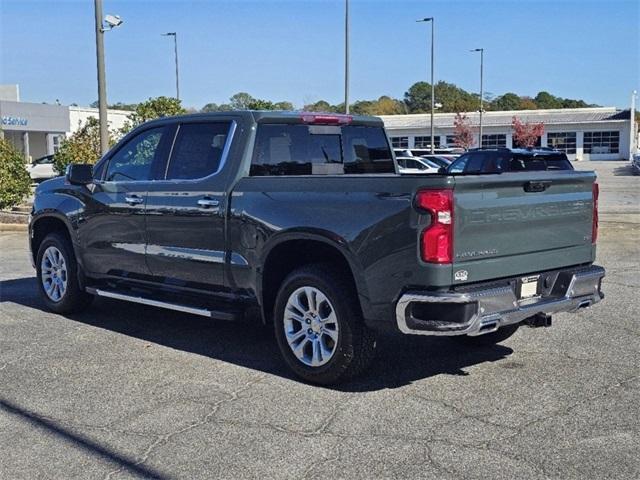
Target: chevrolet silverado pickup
(301, 220)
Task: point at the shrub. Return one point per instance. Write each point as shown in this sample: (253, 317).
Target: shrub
(15, 182)
(81, 147)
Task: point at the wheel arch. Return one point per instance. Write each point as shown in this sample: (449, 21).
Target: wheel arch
(45, 224)
(293, 250)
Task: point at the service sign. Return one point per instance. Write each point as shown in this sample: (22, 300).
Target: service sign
(14, 121)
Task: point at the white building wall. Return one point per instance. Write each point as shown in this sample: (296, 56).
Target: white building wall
(621, 126)
(79, 115)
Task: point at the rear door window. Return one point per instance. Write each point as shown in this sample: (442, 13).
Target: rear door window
(320, 149)
(197, 150)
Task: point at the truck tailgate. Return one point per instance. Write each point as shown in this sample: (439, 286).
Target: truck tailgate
(517, 223)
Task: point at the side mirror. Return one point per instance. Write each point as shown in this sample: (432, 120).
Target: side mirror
(442, 170)
(79, 174)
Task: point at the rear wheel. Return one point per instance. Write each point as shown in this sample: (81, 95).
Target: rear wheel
(319, 326)
(57, 271)
(488, 339)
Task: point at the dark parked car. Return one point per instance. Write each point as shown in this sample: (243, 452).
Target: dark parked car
(501, 160)
(302, 221)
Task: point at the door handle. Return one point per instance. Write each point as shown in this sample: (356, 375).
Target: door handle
(133, 199)
(208, 202)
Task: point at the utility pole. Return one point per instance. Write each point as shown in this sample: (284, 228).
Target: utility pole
(175, 51)
(481, 50)
(633, 136)
(433, 89)
(346, 56)
(102, 82)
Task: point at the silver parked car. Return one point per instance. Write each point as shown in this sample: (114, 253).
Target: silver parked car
(415, 165)
(42, 169)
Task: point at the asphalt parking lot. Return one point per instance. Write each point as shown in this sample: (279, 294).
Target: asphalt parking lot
(125, 391)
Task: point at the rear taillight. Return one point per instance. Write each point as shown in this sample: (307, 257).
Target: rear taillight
(436, 242)
(594, 225)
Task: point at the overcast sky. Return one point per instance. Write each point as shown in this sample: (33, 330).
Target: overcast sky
(293, 50)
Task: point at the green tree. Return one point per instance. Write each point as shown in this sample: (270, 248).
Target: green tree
(527, 103)
(452, 98)
(455, 99)
(241, 101)
(258, 104)
(14, 179)
(284, 105)
(214, 107)
(83, 146)
(508, 101)
(418, 97)
(546, 100)
(320, 106)
(153, 108)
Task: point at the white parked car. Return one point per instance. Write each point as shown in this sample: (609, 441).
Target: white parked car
(42, 168)
(415, 165)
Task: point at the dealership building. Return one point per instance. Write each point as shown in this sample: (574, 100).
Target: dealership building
(36, 129)
(602, 133)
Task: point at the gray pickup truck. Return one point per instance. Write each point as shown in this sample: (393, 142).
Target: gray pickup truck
(301, 220)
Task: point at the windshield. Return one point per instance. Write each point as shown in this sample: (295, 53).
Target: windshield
(43, 160)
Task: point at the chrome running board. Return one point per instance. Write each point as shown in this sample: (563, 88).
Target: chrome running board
(160, 304)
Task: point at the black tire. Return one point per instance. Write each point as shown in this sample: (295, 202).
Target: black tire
(74, 298)
(488, 339)
(355, 348)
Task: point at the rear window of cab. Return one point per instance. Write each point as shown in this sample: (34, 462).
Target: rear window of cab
(285, 149)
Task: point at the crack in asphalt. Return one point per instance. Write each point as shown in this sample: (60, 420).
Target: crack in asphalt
(577, 359)
(561, 412)
(164, 439)
(308, 473)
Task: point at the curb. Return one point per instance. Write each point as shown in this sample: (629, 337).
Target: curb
(13, 227)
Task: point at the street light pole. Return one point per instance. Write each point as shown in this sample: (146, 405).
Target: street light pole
(346, 56)
(433, 90)
(175, 51)
(102, 85)
(481, 50)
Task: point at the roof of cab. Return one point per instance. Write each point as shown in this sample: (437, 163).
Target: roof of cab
(533, 151)
(279, 116)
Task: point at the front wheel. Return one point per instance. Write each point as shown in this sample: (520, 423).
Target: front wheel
(57, 271)
(488, 339)
(319, 326)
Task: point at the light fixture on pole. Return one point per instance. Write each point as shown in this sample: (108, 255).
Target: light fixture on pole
(431, 19)
(481, 50)
(346, 56)
(175, 51)
(110, 22)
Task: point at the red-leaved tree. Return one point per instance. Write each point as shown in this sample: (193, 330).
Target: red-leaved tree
(526, 134)
(462, 131)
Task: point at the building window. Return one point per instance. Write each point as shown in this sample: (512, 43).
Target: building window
(563, 141)
(494, 141)
(537, 144)
(425, 142)
(400, 142)
(56, 140)
(451, 141)
(601, 142)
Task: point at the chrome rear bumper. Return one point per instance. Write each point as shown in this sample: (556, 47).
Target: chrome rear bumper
(491, 308)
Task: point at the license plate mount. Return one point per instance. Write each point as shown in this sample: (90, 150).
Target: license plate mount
(529, 287)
